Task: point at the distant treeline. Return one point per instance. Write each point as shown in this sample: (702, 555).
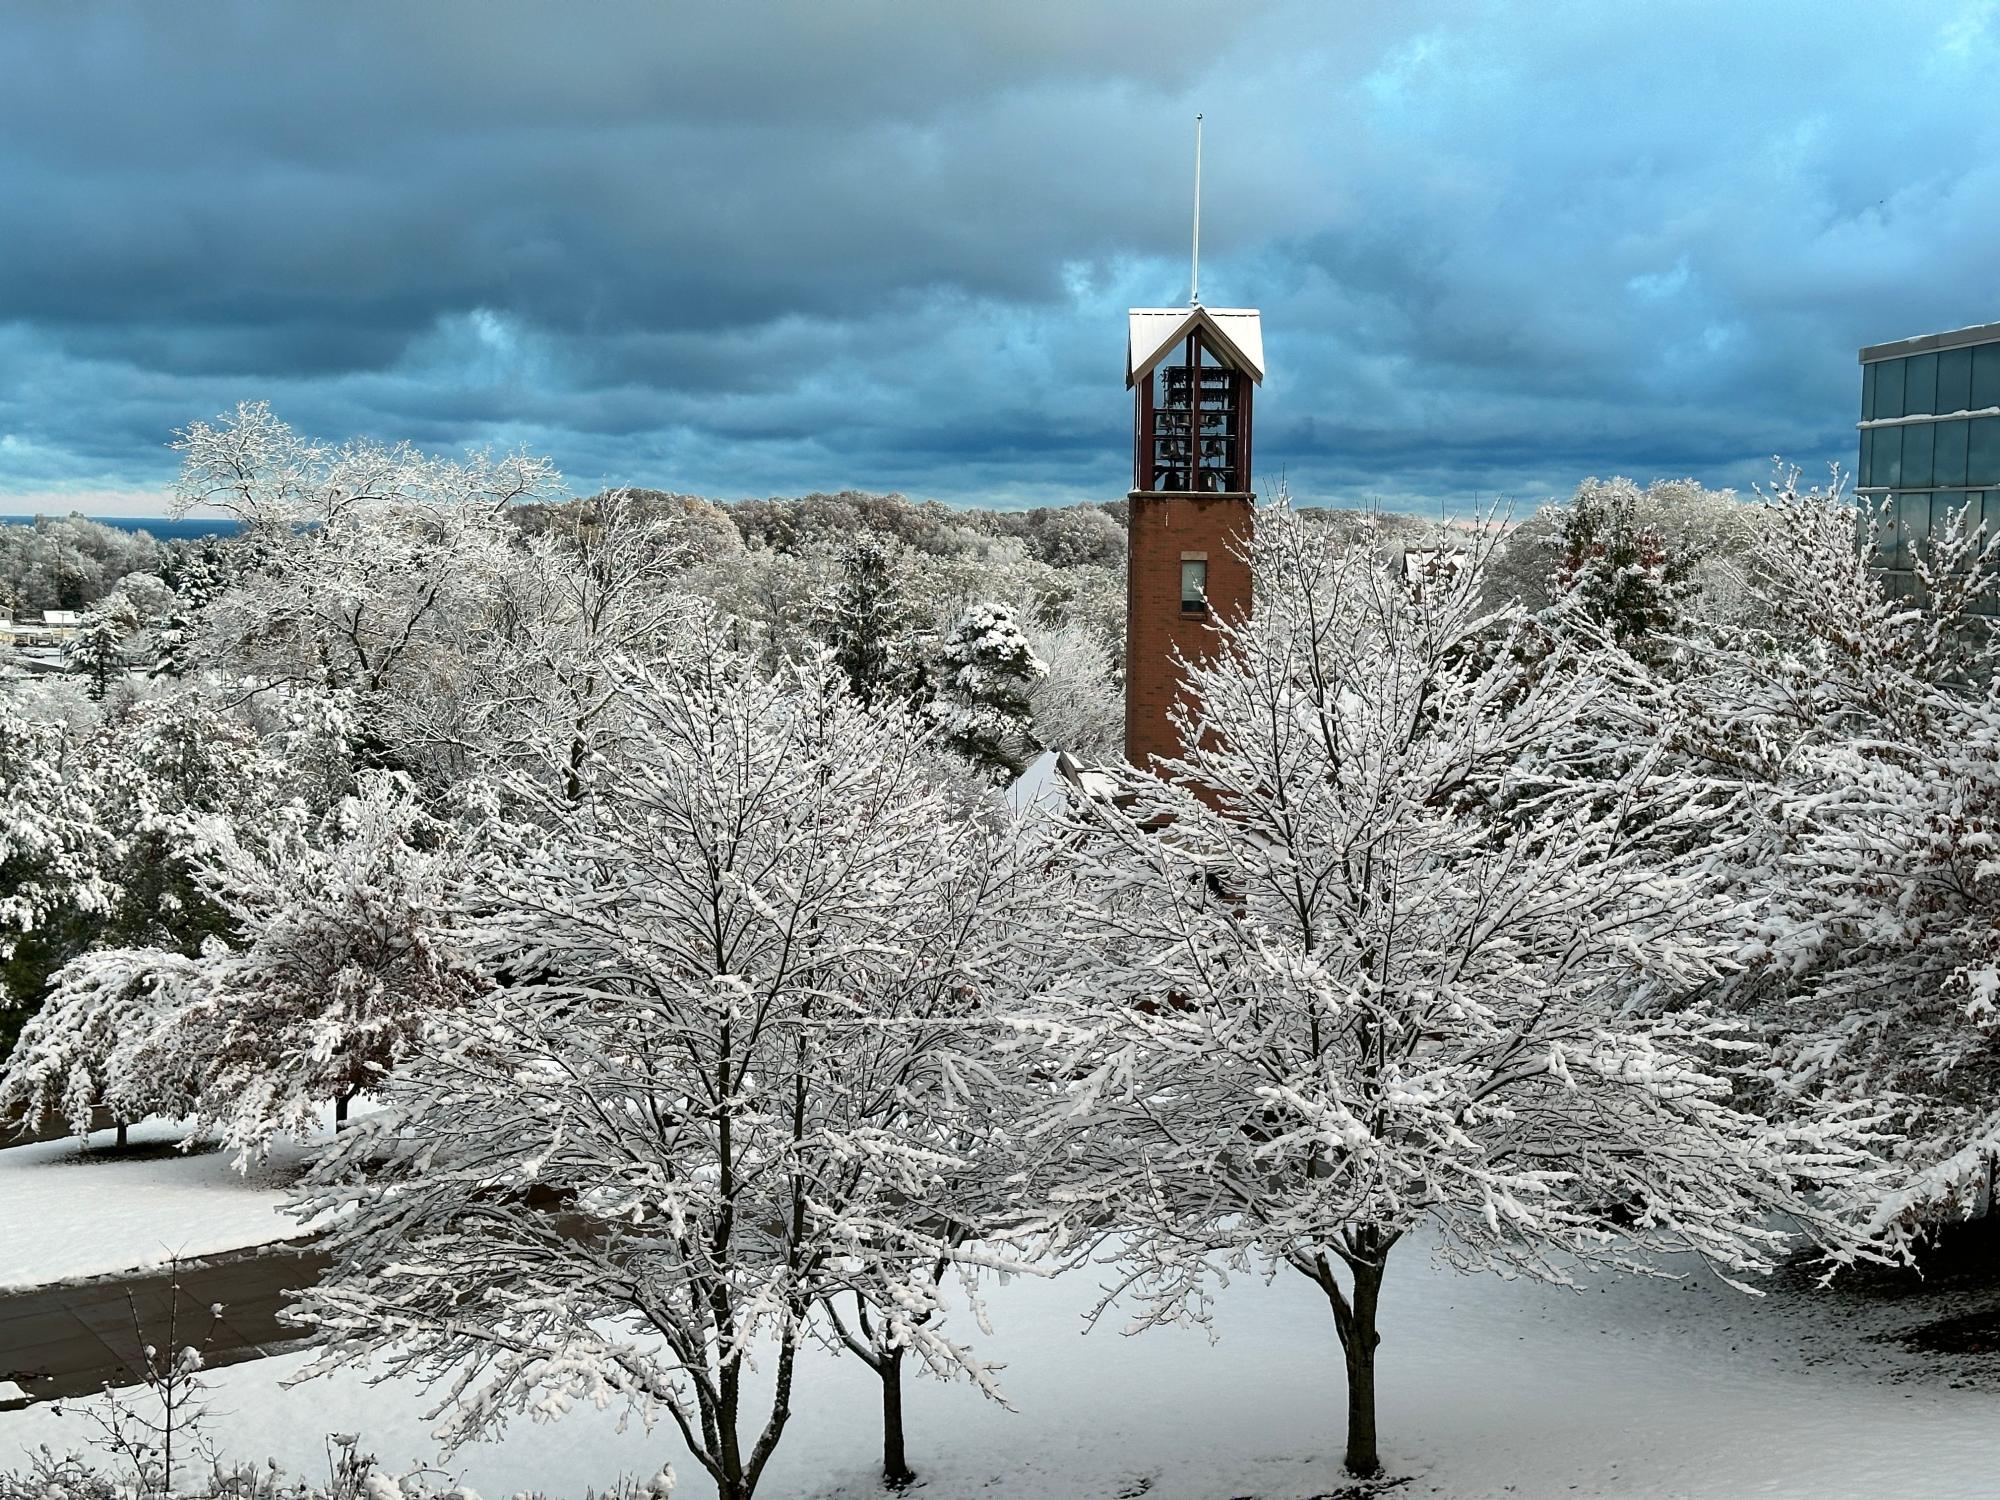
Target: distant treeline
(1084, 534)
(1060, 536)
(71, 562)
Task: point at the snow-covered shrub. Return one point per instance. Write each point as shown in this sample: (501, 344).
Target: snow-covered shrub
(351, 1474)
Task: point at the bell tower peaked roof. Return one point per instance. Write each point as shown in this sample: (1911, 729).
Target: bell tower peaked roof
(1234, 333)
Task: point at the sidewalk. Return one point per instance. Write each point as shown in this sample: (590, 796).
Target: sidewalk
(73, 1340)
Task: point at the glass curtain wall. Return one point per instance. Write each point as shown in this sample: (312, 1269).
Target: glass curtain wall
(1930, 445)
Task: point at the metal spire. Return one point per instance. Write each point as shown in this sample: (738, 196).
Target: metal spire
(1194, 275)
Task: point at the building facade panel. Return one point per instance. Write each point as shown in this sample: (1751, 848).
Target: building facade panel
(1929, 444)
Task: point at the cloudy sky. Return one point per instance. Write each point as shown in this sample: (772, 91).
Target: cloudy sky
(785, 245)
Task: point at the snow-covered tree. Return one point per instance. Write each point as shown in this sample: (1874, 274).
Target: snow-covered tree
(339, 962)
(373, 570)
(147, 594)
(68, 562)
(54, 869)
(1077, 704)
(195, 579)
(1076, 536)
(1864, 735)
(1393, 951)
(97, 651)
(1672, 547)
(985, 670)
(869, 624)
(773, 598)
(604, 580)
(92, 1044)
(728, 1068)
(1623, 573)
(104, 821)
(334, 964)
(254, 467)
(156, 772)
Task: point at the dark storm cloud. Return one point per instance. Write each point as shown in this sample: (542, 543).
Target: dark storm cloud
(780, 246)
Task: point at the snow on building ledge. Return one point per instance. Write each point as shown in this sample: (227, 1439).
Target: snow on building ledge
(1926, 343)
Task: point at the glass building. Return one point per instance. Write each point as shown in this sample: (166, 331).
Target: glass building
(1930, 437)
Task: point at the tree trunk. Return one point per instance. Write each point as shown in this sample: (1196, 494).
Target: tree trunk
(121, 1135)
(895, 1461)
(340, 1111)
(1358, 1339)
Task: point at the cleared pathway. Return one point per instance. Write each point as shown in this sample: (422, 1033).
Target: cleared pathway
(73, 1340)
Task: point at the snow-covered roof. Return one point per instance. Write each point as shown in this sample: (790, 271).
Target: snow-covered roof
(1925, 343)
(1236, 332)
(1053, 781)
(1040, 786)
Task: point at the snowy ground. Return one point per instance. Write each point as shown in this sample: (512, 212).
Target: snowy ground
(1489, 1389)
(66, 1215)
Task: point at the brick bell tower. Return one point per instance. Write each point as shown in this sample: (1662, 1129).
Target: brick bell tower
(1192, 371)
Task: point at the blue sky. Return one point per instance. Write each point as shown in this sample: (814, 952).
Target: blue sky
(788, 245)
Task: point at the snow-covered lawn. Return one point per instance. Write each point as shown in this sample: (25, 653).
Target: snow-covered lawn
(66, 1215)
(1656, 1391)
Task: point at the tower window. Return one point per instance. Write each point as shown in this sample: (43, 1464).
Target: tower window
(1194, 585)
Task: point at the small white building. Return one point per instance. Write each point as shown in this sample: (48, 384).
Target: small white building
(52, 628)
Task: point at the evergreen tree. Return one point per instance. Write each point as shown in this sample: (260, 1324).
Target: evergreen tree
(97, 651)
(869, 622)
(985, 671)
(1624, 572)
(195, 579)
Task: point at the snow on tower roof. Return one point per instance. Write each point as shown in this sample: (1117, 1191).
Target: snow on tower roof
(1238, 334)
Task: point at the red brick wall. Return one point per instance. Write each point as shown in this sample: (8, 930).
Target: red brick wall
(1159, 530)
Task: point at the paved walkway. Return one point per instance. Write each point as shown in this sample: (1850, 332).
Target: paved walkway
(74, 1340)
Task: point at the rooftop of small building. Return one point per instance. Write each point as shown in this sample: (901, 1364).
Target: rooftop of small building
(1928, 343)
